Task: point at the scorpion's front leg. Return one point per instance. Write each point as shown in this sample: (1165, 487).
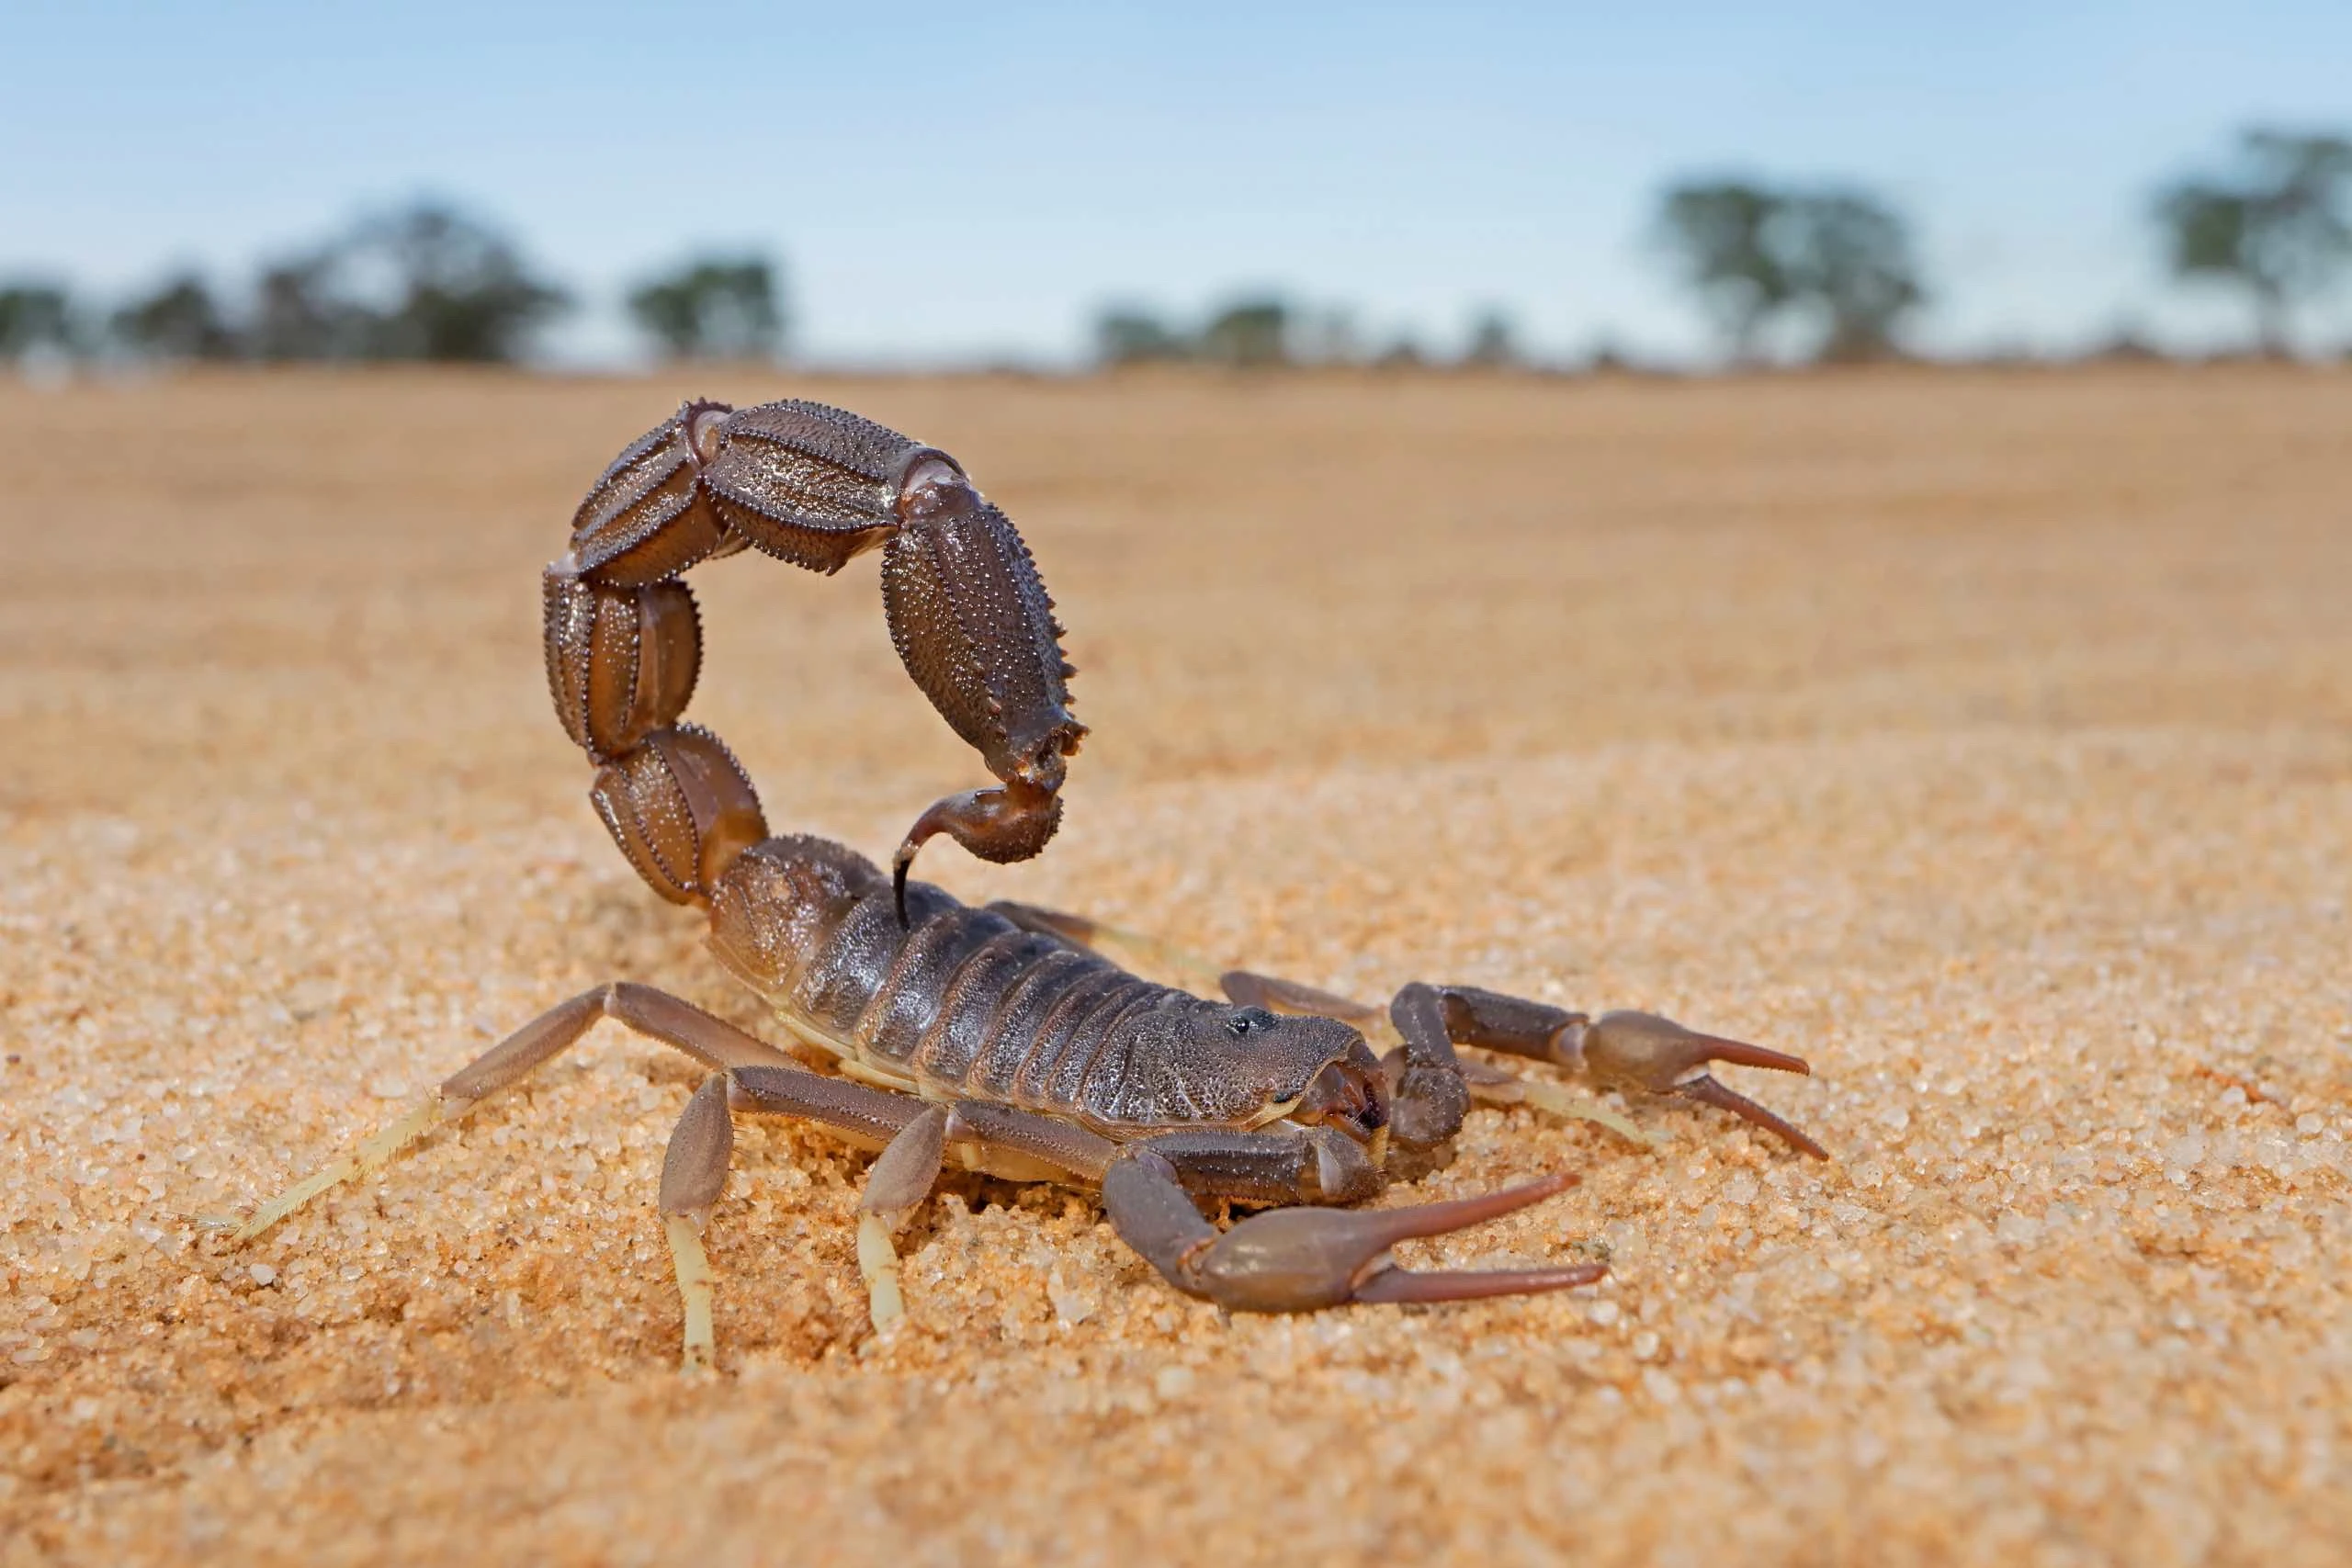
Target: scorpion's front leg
(1299, 1260)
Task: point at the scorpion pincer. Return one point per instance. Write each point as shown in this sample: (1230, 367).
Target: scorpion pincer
(999, 1038)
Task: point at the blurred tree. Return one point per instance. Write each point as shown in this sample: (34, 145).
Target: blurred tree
(1247, 335)
(459, 290)
(1719, 233)
(300, 314)
(2279, 225)
(1494, 345)
(1849, 257)
(426, 282)
(714, 308)
(34, 317)
(1129, 335)
(1753, 252)
(179, 321)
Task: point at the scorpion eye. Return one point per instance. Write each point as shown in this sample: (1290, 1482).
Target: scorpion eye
(1248, 1020)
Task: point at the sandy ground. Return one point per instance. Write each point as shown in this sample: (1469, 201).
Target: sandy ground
(1986, 738)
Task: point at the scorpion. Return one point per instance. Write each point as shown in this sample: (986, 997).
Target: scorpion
(1006, 1038)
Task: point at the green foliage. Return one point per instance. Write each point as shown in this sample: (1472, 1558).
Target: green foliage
(1128, 335)
(298, 314)
(713, 307)
(427, 282)
(1264, 332)
(458, 290)
(179, 321)
(1247, 335)
(1717, 232)
(35, 316)
(1755, 255)
(2278, 224)
(1850, 255)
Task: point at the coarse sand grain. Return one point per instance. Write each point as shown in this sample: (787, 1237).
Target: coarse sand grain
(1986, 738)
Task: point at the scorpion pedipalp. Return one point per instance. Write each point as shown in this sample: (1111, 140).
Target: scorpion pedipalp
(1300, 1259)
(1642, 1051)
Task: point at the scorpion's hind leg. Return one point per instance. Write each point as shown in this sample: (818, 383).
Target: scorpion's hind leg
(1300, 1259)
(712, 1041)
(709, 1039)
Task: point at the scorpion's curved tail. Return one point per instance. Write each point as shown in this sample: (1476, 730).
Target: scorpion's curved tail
(814, 486)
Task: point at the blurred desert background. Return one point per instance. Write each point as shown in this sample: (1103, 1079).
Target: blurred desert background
(1984, 735)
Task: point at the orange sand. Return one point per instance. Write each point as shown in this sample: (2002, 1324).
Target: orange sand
(1988, 739)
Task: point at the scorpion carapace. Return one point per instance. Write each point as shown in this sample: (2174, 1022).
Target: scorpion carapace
(1002, 1038)
(814, 486)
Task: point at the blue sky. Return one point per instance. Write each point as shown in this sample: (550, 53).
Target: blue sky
(957, 183)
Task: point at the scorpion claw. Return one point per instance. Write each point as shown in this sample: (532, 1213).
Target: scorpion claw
(1299, 1260)
(1641, 1050)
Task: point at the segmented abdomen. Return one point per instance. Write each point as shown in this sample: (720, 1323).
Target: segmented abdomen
(962, 1002)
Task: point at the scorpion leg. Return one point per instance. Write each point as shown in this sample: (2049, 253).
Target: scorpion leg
(987, 1137)
(915, 1139)
(695, 1168)
(1299, 1260)
(712, 1041)
(899, 1180)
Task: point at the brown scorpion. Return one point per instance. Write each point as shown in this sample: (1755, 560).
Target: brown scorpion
(1002, 1037)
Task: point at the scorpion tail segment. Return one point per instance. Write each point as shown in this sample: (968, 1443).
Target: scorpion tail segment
(650, 517)
(1642, 1051)
(1011, 823)
(976, 628)
(621, 661)
(806, 483)
(679, 807)
(1301, 1259)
